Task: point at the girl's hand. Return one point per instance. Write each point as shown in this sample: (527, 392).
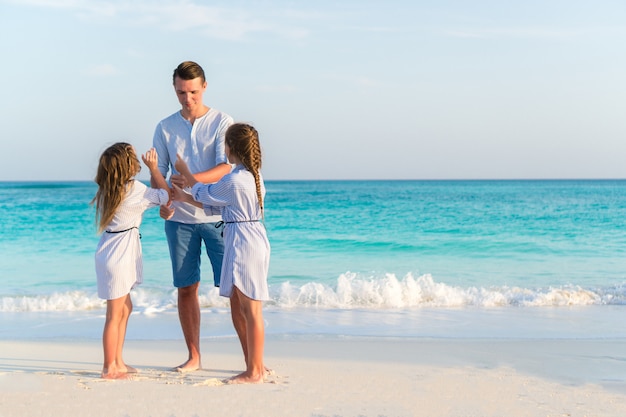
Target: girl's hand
(166, 211)
(179, 195)
(186, 177)
(179, 180)
(151, 159)
(180, 165)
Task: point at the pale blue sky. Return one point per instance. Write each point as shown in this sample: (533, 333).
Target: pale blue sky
(337, 89)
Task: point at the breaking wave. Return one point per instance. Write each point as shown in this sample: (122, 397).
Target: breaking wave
(350, 291)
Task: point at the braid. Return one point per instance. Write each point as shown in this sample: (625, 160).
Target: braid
(255, 165)
(243, 140)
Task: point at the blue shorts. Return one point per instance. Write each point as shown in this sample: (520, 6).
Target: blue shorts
(185, 243)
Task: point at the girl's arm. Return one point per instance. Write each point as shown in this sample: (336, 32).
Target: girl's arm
(181, 166)
(151, 159)
(179, 194)
(212, 175)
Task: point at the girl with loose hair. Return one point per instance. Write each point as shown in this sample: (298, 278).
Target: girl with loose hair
(120, 202)
(240, 195)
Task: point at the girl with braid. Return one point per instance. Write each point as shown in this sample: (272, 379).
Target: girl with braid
(239, 196)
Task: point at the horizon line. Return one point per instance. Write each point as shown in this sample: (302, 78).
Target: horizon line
(360, 179)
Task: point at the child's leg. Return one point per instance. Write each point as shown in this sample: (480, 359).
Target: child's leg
(127, 309)
(111, 336)
(239, 322)
(252, 312)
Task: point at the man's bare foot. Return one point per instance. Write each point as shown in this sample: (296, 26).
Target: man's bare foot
(189, 366)
(246, 378)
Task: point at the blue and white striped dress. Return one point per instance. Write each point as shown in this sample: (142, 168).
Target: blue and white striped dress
(246, 247)
(119, 265)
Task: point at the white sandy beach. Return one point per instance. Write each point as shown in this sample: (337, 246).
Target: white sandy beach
(322, 376)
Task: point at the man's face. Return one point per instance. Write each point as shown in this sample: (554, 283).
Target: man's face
(189, 92)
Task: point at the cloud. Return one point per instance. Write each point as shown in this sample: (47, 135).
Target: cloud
(134, 53)
(215, 22)
(83, 7)
(366, 82)
(180, 16)
(104, 70)
(534, 32)
(283, 88)
(378, 29)
(354, 80)
(463, 34)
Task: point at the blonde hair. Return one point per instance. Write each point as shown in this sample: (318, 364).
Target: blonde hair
(243, 141)
(118, 166)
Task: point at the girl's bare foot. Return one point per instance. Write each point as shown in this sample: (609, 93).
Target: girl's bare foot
(128, 369)
(113, 374)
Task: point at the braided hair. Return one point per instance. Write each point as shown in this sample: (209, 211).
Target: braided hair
(243, 141)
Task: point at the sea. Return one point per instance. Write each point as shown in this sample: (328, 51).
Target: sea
(534, 259)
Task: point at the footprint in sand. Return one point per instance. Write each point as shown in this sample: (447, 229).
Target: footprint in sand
(211, 382)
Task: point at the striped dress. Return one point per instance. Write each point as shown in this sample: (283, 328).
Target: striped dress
(119, 266)
(246, 247)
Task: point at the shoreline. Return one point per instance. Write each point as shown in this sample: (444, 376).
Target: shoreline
(322, 376)
(534, 323)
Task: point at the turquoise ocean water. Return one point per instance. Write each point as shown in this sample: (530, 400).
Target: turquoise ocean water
(391, 258)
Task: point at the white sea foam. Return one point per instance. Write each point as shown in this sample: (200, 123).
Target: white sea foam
(350, 291)
(64, 301)
(390, 292)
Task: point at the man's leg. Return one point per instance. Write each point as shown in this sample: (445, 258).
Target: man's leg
(185, 249)
(189, 315)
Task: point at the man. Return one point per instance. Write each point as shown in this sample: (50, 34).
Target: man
(196, 133)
